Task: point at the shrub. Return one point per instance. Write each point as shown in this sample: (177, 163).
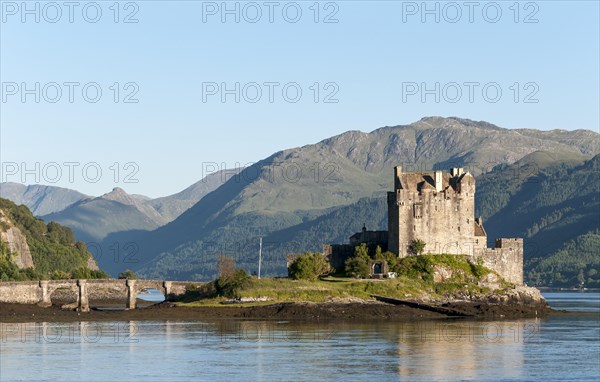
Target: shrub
(390, 258)
(309, 266)
(417, 246)
(127, 274)
(229, 286)
(362, 250)
(358, 266)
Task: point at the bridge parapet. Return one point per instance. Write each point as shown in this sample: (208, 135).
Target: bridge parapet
(40, 292)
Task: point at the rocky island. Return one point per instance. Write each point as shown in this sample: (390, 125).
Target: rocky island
(433, 262)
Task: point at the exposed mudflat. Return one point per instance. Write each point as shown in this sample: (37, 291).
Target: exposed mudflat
(358, 311)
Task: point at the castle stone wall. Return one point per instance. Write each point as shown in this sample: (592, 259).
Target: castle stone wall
(506, 259)
(443, 220)
(337, 254)
(439, 209)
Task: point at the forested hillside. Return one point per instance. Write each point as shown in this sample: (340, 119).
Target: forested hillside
(517, 200)
(54, 251)
(555, 206)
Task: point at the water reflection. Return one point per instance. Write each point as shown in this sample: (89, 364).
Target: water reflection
(559, 348)
(152, 295)
(574, 301)
(265, 349)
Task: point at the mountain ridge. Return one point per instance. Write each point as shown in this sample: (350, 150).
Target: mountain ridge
(363, 163)
(297, 185)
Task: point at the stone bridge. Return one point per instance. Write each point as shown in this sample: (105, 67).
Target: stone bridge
(40, 292)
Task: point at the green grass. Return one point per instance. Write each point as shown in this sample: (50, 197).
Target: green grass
(415, 281)
(287, 290)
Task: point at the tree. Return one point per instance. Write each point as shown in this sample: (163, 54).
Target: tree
(362, 250)
(309, 266)
(127, 274)
(225, 266)
(417, 246)
(358, 265)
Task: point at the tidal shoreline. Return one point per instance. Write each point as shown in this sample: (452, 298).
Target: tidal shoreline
(331, 311)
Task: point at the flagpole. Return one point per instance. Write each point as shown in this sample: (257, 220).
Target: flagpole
(259, 256)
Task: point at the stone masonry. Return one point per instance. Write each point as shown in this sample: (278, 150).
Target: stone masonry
(438, 208)
(41, 292)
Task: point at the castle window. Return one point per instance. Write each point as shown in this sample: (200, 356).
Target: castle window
(418, 210)
(458, 229)
(467, 221)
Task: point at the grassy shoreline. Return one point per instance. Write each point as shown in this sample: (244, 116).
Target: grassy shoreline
(444, 281)
(327, 289)
(420, 278)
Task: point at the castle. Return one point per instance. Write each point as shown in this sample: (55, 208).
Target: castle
(439, 209)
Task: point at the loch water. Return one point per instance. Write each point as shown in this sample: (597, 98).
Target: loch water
(558, 348)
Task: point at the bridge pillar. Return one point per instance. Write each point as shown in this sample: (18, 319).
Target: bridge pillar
(46, 301)
(131, 294)
(82, 301)
(167, 285)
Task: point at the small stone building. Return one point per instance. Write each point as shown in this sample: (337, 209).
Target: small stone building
(337, 254)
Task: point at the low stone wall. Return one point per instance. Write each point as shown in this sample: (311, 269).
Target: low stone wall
(506, 259)
(179, 288)
(505, 263)
(21, 292)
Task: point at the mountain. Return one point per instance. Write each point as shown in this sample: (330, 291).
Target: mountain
(576, 263)
(300, 185)
(41, 200)
(94, 218)
(170, 207)
(33, 250)
(561, 231)
(555, 206)
(543, 202)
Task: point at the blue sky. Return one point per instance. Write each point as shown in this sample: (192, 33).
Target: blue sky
(372, 67)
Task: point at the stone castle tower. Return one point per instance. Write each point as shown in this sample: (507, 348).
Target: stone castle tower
(439, 208)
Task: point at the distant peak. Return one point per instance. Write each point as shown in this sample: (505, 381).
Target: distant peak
(433, 117)
(116, 192)
(119, 195)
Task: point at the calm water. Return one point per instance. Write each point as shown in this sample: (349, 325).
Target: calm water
(563, 348)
